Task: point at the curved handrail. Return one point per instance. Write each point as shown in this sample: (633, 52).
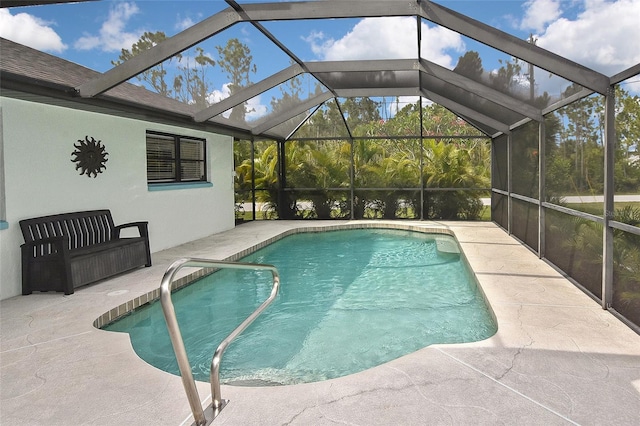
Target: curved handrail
(176, 337)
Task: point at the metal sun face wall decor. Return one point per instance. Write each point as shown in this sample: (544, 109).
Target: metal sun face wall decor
(90, 156)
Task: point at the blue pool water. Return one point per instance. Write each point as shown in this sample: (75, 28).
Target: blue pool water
(349, 300)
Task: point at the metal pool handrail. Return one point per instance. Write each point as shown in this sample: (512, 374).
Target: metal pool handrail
(217, 403)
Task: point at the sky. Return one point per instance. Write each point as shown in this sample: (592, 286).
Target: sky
(600, 34)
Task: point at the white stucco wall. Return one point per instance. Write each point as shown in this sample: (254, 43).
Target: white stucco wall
(41, 179)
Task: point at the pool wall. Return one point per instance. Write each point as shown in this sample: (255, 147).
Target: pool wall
(152, 296)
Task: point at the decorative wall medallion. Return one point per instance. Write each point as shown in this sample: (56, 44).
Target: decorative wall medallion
(90, 156)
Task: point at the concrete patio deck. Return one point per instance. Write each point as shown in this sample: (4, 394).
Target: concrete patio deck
(557, 358)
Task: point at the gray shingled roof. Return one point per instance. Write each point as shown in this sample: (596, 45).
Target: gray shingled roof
(25, 70)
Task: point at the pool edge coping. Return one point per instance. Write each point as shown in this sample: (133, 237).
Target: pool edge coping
(128, 307)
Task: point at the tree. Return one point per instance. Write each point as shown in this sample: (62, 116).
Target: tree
(507, 75)
(360, 111)
(189, 85)
(236, 60)
(156, 76)
(627, 166)
(318, 166)
(291, 96)
(265, 169)
(579, 140)
(510, 79)
(314, 167)
(325, 122)
(291, 92)
(470, 66)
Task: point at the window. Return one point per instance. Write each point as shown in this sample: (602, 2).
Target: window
(175, 159)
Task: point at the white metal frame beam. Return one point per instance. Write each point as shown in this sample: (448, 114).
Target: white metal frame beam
(514, 46)
(281, 11)
(466, 111)
(480, 90)
(372, 66)
(160, 52)
(272, 121)
(249, 92)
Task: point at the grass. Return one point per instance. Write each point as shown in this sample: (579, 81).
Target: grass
(486, 214)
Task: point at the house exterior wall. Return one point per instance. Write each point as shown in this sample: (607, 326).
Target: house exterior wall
(40, 179)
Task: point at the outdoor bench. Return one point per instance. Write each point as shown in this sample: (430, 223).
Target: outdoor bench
(65, 251)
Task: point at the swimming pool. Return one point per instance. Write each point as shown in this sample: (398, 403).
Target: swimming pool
(349, 300)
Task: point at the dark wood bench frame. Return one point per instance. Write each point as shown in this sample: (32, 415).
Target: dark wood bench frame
(65, 251)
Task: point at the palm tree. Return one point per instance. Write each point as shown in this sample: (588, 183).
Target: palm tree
(447, 166)
(265, 168)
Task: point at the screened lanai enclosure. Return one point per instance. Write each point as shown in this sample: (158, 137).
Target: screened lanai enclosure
(420, 111)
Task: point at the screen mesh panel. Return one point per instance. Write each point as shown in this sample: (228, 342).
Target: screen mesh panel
(626, 275)
(525, 160)
(499, 163)
(499, 209)
(524, 223)
(575, 246)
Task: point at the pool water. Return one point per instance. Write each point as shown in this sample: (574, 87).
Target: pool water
(349, 300)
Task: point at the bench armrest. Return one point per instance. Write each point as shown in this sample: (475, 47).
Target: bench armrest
(142, 228)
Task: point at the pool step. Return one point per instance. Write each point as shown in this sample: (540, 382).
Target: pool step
(447, 245)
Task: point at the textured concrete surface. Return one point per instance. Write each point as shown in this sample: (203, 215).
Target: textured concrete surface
(557, 358)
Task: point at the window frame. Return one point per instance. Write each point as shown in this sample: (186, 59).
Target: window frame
(177, 161)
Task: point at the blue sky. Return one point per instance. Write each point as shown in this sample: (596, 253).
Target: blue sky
(600, 34)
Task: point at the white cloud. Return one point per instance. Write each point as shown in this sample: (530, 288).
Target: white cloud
(387, 38)
(255, 109)
(112, 37)
(30, 31)
(184, 23)
(316, 41)
(437, 42)
(217, 95)
(187, 22)
(539, 13)
(603, 36)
